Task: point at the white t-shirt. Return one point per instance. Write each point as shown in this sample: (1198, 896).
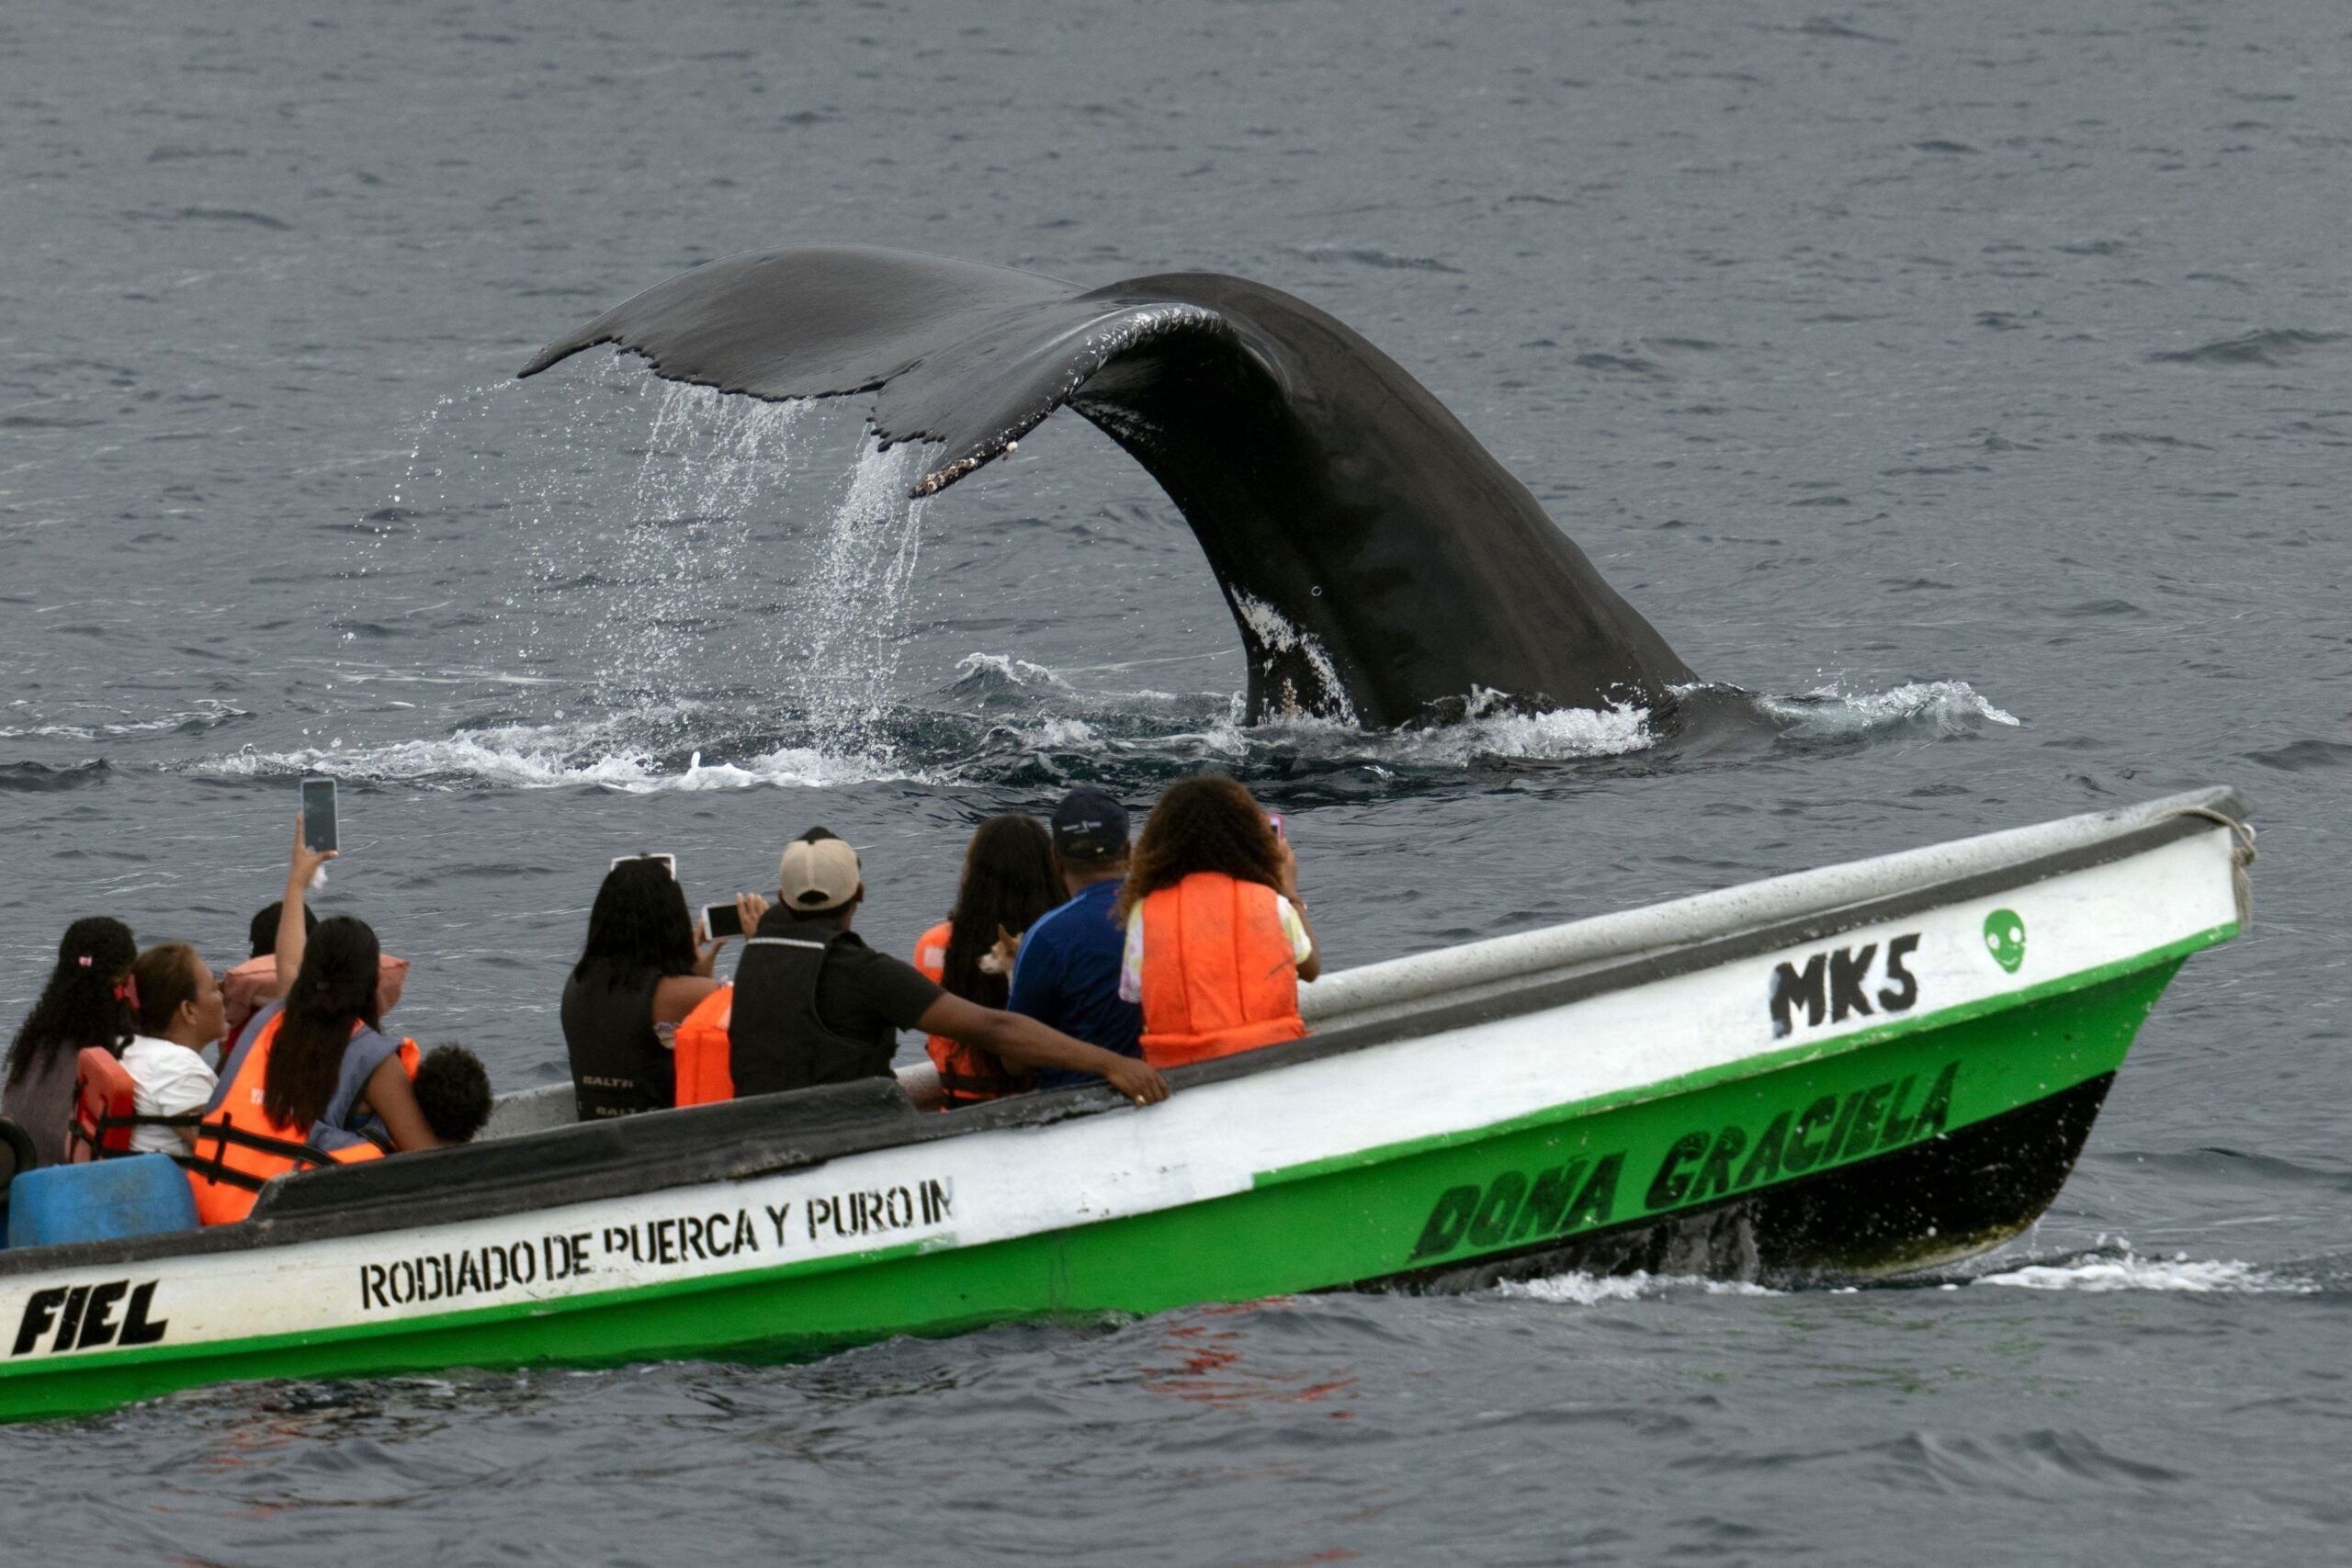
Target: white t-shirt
(165, 1081)
(1302, 947)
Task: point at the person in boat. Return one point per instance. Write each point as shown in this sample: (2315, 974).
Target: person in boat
(812, 1004)
(180, 1013)
(314, 1074)
(1067, 973)
(1217, 938)
(246, 987)
(87, 1002)
(639, 975)
(1009, 881)
(453, 1092)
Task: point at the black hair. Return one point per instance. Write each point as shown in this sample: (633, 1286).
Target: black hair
(263, 931)
(452, 1093)
(335, 992)
(1009, 881)
(640, 921)
(79, 1008)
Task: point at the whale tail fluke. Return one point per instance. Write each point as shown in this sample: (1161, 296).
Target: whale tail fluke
(1381, 566)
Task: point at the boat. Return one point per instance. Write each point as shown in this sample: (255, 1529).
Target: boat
(1846, 1074)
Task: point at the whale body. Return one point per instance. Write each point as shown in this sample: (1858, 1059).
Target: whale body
(1383, 567)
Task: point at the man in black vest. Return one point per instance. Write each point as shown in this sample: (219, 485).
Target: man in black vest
(815, 1005)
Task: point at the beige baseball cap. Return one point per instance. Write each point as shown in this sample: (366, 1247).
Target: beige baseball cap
(818, 875)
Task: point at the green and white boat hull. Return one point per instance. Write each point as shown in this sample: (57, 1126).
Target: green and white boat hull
(1847, 1073)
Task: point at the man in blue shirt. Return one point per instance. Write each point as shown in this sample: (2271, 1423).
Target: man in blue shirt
(1068, 974)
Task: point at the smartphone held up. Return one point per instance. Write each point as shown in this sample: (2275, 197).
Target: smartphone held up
(319, 827)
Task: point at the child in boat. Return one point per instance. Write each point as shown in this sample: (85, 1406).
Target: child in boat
(453, 1091)
(179, 1014)
(1008, 883)
(1217, 936)
(87, 1002)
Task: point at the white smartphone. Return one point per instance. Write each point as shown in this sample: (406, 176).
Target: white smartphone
(722, 920)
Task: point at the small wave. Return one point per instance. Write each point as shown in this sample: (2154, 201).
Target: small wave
(1591, 1290)
(2299, 756)
(34, 778)
(1940, 708)
(1000, 677)
(191, 722)
(533, 756)
(2271, 347)
(2105, 1271)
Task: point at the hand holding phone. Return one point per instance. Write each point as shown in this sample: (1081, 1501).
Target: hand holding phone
(721, 920)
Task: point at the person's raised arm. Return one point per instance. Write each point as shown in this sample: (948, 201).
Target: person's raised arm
(389, 1095)
(1032, 1044)
(1312, 965)
(293, 930)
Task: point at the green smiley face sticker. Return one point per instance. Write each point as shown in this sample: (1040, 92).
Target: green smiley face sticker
(2005, 938)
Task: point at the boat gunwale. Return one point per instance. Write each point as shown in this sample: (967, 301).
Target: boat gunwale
(412, 1196)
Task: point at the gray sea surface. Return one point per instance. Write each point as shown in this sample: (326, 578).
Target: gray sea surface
(1970, 380)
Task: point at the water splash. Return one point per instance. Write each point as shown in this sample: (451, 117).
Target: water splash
(856, 602)
(712, 469)
(1831, 716)
(2125, 1270)
(1578, 1289)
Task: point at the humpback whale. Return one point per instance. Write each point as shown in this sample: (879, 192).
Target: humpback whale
(1384, 569)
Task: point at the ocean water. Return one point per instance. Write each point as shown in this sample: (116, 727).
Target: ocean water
(1968, 382)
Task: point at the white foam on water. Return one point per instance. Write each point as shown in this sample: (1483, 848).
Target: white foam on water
(2127, 1271)
(556, 757)
(1559, 734)
(1002, 667)
(1827, 713)
(1591, 1290)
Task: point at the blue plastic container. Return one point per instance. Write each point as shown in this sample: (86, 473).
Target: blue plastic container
(136, 1195)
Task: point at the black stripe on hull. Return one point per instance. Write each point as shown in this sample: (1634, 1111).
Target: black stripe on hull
(1911, 1209)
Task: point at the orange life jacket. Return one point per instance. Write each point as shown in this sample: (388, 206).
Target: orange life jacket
(701, 1050)
(1219, 976)
(968, 1075)
(238, 1148)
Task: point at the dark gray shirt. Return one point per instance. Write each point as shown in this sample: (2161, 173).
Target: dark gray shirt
(42, 1102)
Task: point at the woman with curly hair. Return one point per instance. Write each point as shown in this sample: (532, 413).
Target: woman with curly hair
(89, 1001)
(1217, 938)
(1009, 881)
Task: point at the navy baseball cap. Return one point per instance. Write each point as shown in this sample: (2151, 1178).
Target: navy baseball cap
(1089, 825)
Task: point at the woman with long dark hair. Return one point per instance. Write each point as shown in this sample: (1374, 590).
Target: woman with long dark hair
(640, 974)
(1217, 937)
(89, 1001)
(314, 1075)
(1009, 881)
